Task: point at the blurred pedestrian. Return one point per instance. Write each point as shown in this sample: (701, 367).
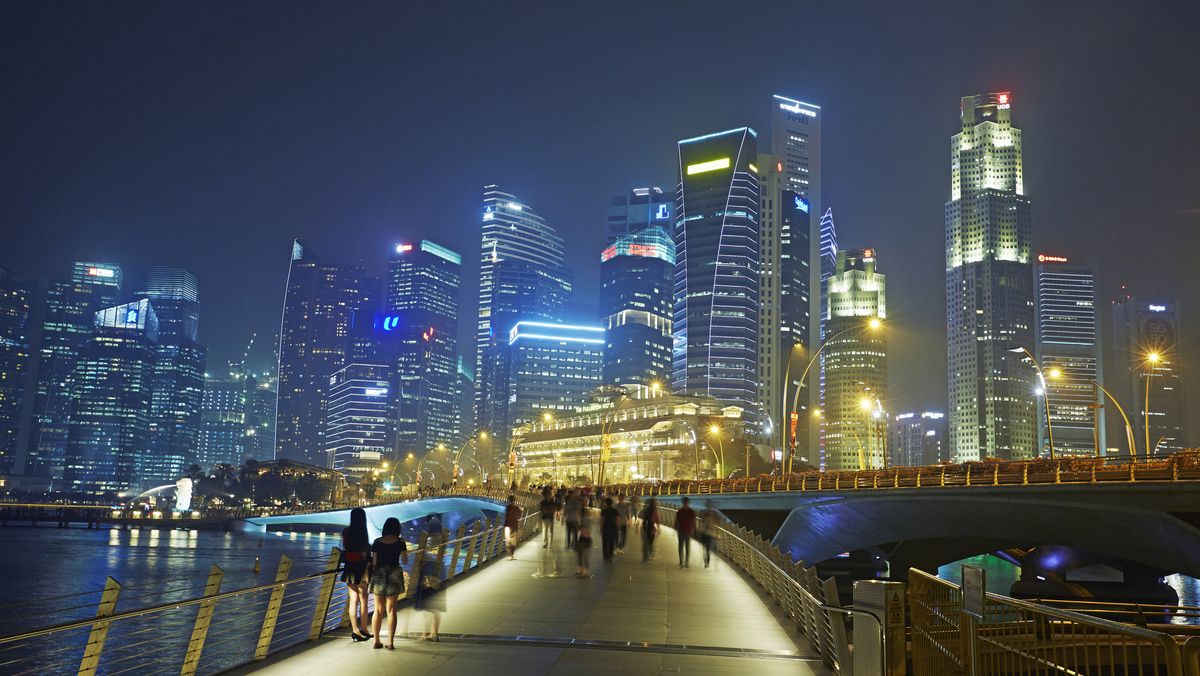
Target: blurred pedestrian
(583, 547)
(387, 577)
(431, 596)
(512, 523)
(356, 555)
(547, 508)
(635, 509)
(622, 508)
(649, 521)
(572, 514)
(685, 528)
(609, 523)
(710, 520)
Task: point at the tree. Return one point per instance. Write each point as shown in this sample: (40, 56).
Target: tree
(309, 488)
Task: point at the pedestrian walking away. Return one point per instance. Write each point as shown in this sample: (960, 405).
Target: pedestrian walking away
(583, 547)
(356, 559)
(649, 521)
(622, 522)
(572, 514)
(387, 578)
(710, 520)
(512, 523)
(609, 523)
(547, 508)
(431, 595)
(685, 528)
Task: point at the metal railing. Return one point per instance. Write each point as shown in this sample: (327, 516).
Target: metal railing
(219, 630)
(1179, 467)
(1021, 637)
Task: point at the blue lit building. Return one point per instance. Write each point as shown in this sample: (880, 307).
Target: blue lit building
(222, 423)
(359, 423)
(636, 286)
(551, 368)
(642, 208)
(110, 422)
(15, 305)
(716, 291)
(69, 321)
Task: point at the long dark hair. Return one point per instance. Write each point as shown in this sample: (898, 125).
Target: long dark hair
(391, 526)
(355, 537)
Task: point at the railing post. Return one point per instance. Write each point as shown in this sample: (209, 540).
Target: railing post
(322, 610)
(942, 482)
(896, 480)
(996, 475)
(458, 543)
(918, 477)
(874, 480)
(1132, 467)
(191, 659)
(1025, 475)
(1058, 471)
(272, 614)
(969, 468)
(95, 644)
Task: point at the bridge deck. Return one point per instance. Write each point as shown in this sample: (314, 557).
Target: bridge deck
(692, 620)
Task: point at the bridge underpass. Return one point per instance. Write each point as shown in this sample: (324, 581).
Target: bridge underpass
(533, 616)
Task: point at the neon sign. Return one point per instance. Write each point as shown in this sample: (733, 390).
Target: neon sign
(401, 248)
(801, 204)
(102, 272)
(664, 211)
(388, 322)
(1046, 258)
(375, 391)
(131, 316)
(1158, 308)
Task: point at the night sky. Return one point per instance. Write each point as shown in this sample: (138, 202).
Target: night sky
(207, 135)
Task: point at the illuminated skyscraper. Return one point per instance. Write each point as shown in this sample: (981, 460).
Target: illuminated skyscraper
(223, 424)
(918, 439)
(636, 287)
(989, 287)
(260, 395)
(1146, 340)
(521, 277)
(360, 423)
(715, 341)
(15, 325)
(1068, 347)
(71, 308)
(322, 306)
(854, 418)
(109, 436)
(552, 368)
(829, 252)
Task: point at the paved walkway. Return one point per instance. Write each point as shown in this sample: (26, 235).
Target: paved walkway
(630, 617)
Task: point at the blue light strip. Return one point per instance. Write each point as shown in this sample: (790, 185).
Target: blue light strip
(736, 130)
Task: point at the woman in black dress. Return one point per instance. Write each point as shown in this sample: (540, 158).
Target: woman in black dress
(387, 577)
(356, 551)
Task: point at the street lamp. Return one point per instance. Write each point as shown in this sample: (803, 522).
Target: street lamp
(1152, 360)
(715, 430)
(1128, 427)
(481, 435)
(1044, 392)
(606, 435)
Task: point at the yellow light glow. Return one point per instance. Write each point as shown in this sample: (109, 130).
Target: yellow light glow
(1054, 373)
(816, 413)
(1153, 357)
(753, 168)
(711, 165)
(483, 434)
(385, 465)
(874, 323)
(410, 456)
(715, 429)
(865, 404)
(547, 416)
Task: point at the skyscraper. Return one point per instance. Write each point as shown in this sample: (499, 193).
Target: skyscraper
(110, 420)
(16, 301)
(918, 439)
(636, 284)
(829, 252)
(521, 276)
(71, 307)
(1068, 349)
(322, 304)
(421, 325)
(360, 423)
(715, 323)
(551, 368)
(1146, 340)
(259, 442)
(179, 374)
(223, 424)
(989, 294)
(854, 419)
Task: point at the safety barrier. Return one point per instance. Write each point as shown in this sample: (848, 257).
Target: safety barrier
(219, 630)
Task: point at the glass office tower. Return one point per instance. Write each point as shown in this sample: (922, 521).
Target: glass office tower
(636, 304)
(16, 303)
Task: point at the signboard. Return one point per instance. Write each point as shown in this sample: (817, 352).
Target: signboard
(974, 591)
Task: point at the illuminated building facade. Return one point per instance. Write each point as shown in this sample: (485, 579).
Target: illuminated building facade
(1068, 349)
(322, 306)
(989, 287)
(109, 438)
(16, 302)
(1147, 338)
(259, 442)
(651, 436)
(854, 419)
(642, 208)
(223, 424)
(715, 323)
(359, 425)
(919, 439)
(552, 369)
(71, 307)
(636, 272)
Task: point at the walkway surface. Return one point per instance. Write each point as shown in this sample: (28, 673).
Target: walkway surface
(513, 617)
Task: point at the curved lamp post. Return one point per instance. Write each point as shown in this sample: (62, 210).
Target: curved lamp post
(1045, 393)
(1128, 427)
(1152, 360)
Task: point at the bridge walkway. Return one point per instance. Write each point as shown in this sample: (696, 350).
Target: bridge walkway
(512, 617)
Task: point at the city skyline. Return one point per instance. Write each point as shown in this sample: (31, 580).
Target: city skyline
(1062, 215)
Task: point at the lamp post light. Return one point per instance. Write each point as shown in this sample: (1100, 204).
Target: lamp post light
(715, 430)
(606, 433)
(1044, 391)
(1128, 427)
(481, 435)
(1153, 358)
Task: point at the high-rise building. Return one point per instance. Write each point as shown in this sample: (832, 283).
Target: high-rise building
(521, 277)
(178, 377)
(918, 439)
(854, 420)
(259, 442)
(796, 142)
(717, 258)
(360, 422)
(223, 424)
(465, 396)
(829, 252)
(71, 307)
(642, 208)
(420, 330)
(110, 420)
(989, 287)
(636, 285)
(551, 368)
(1146, 340)
(1068, 349)
(323, 305)
(16, 302)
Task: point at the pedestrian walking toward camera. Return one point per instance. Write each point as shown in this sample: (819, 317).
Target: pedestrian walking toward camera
(622, 508)
(685, 528)
(635, 510)
(356, 558)
(387, 577)
(710, 520)
(583, 547)
(609, 523)
(572, 515)
(547, 508)
(512, 523)
(649, 521)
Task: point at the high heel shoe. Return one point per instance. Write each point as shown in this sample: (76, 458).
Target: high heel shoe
(357, 637)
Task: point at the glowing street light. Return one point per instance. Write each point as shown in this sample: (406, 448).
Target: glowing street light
(1041, 392)
(1153, 358)
(715, 430)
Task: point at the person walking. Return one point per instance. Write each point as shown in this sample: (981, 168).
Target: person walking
(583, 547)
(512, 523)
(649, 521)
(622, 508)
(710, 520)
(572, 515)
(356, 553)
(547, 508)
(685, 528)
(635, 509)
(431, 597)
(610, 520)
(387, 578)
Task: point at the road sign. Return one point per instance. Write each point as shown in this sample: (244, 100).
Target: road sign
(974, 591)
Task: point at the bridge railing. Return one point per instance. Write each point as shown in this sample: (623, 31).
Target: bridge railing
(1182, 466)
(1021, 637)
(219, 630)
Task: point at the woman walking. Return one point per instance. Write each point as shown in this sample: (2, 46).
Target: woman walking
(356, 552)
(387, 578)
(431, 597)
(649, 519)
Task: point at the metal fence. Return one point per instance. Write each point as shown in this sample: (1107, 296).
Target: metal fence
(219, 630)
